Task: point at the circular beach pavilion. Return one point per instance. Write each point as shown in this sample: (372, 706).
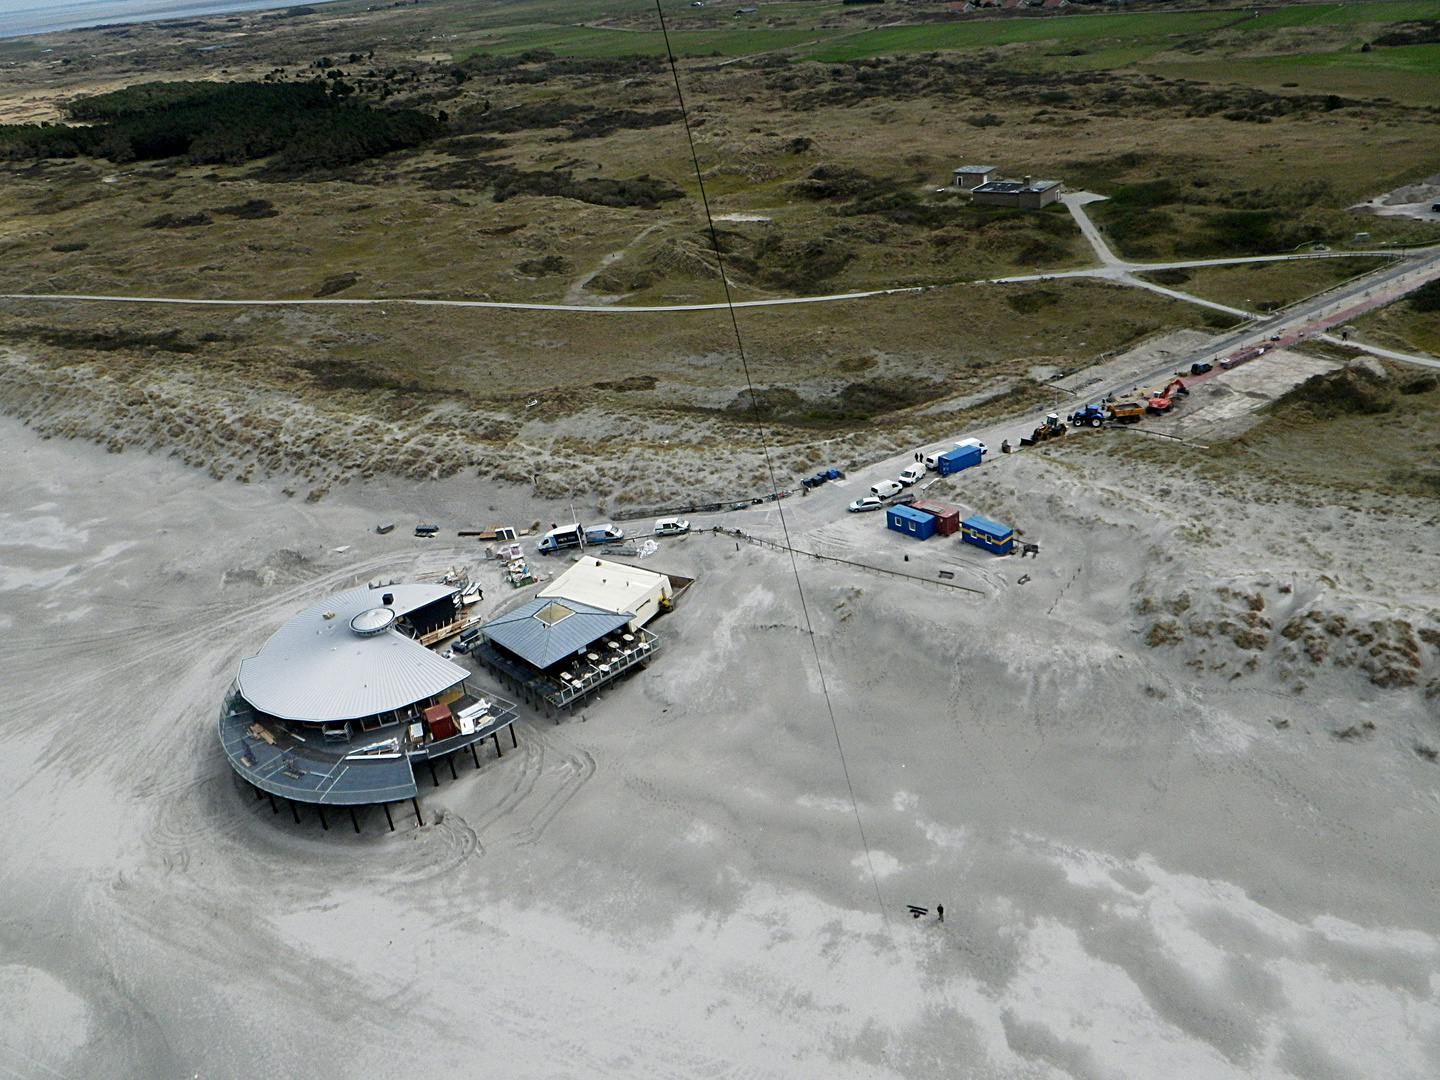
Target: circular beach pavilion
(344, 700)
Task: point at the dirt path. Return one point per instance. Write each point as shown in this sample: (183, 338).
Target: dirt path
(576, 294)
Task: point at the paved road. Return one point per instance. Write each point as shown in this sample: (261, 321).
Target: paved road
(1308, 318)
(507, 305)
(1112, 268)
(1408, 358)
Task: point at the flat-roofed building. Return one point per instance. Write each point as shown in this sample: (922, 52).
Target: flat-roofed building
(1028, 194)
(614, 586)
(972, 176)
(580, 633)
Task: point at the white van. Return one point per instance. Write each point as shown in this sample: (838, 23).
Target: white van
(886, 488)
(931, 460)
(566, 536)
(912, 473)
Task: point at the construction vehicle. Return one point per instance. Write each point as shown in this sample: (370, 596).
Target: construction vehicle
(1164, 401)
(1097, 413)
(1126, 412)
(1052, 428)
(1092, 415)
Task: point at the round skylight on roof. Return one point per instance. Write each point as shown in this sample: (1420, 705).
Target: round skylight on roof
(373, 621)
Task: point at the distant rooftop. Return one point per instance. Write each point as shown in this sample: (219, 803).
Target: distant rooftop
(979, 169)
(1010, 187)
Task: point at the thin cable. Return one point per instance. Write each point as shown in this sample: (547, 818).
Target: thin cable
(769, 464)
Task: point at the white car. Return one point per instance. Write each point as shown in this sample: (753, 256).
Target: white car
(886, 488)
(866, 502)
(671, 527)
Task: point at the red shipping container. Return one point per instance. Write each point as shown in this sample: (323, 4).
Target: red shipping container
(947, 518)
(442, 724)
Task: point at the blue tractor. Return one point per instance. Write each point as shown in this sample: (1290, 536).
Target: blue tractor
(1092, 415)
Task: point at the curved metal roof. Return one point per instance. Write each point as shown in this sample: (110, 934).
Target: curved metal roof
(317, 669)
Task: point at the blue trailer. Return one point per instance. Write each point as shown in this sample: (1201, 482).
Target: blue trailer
(990, 535)
(911, 522)
(952, 461)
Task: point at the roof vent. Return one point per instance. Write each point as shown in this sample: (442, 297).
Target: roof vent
(388, 599)
(373, 621)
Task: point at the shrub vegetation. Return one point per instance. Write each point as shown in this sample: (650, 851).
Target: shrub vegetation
(302, 126)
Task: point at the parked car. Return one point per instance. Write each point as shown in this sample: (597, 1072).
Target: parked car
(604, 534)
(822, 476)
(866, 503)
(912, 473)
(886, 488)
(671, 527)
(1200, 368)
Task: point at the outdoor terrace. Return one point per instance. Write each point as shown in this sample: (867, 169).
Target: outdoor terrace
(563, 684)
(353, 763)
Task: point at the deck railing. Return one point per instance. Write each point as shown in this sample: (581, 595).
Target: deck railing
(645, 647)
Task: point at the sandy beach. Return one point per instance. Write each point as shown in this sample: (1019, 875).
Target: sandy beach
(1149, 863)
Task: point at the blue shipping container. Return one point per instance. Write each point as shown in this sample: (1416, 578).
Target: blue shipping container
(990, 535)
(962, 457)
(911, 522)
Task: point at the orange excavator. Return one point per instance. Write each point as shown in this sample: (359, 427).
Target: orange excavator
(1164, 401)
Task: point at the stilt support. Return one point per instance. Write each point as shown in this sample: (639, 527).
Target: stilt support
(388, 819)
(419, 818)
(354, 820)
(474, 755)
(450, 760)
(321, 811)
(514, 742)
(294, 811)
(273, 808)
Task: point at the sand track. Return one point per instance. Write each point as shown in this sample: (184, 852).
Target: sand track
(1141, 860)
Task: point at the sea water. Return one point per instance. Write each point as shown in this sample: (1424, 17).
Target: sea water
(18, 17)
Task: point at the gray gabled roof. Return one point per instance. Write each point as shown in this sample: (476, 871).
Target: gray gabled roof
(550, 628)
(318, 669)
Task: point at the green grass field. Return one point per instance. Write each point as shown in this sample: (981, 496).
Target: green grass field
(1110, 38)
(1411, 59)
(594, 41)
(1384, 11)
(1158, 30)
